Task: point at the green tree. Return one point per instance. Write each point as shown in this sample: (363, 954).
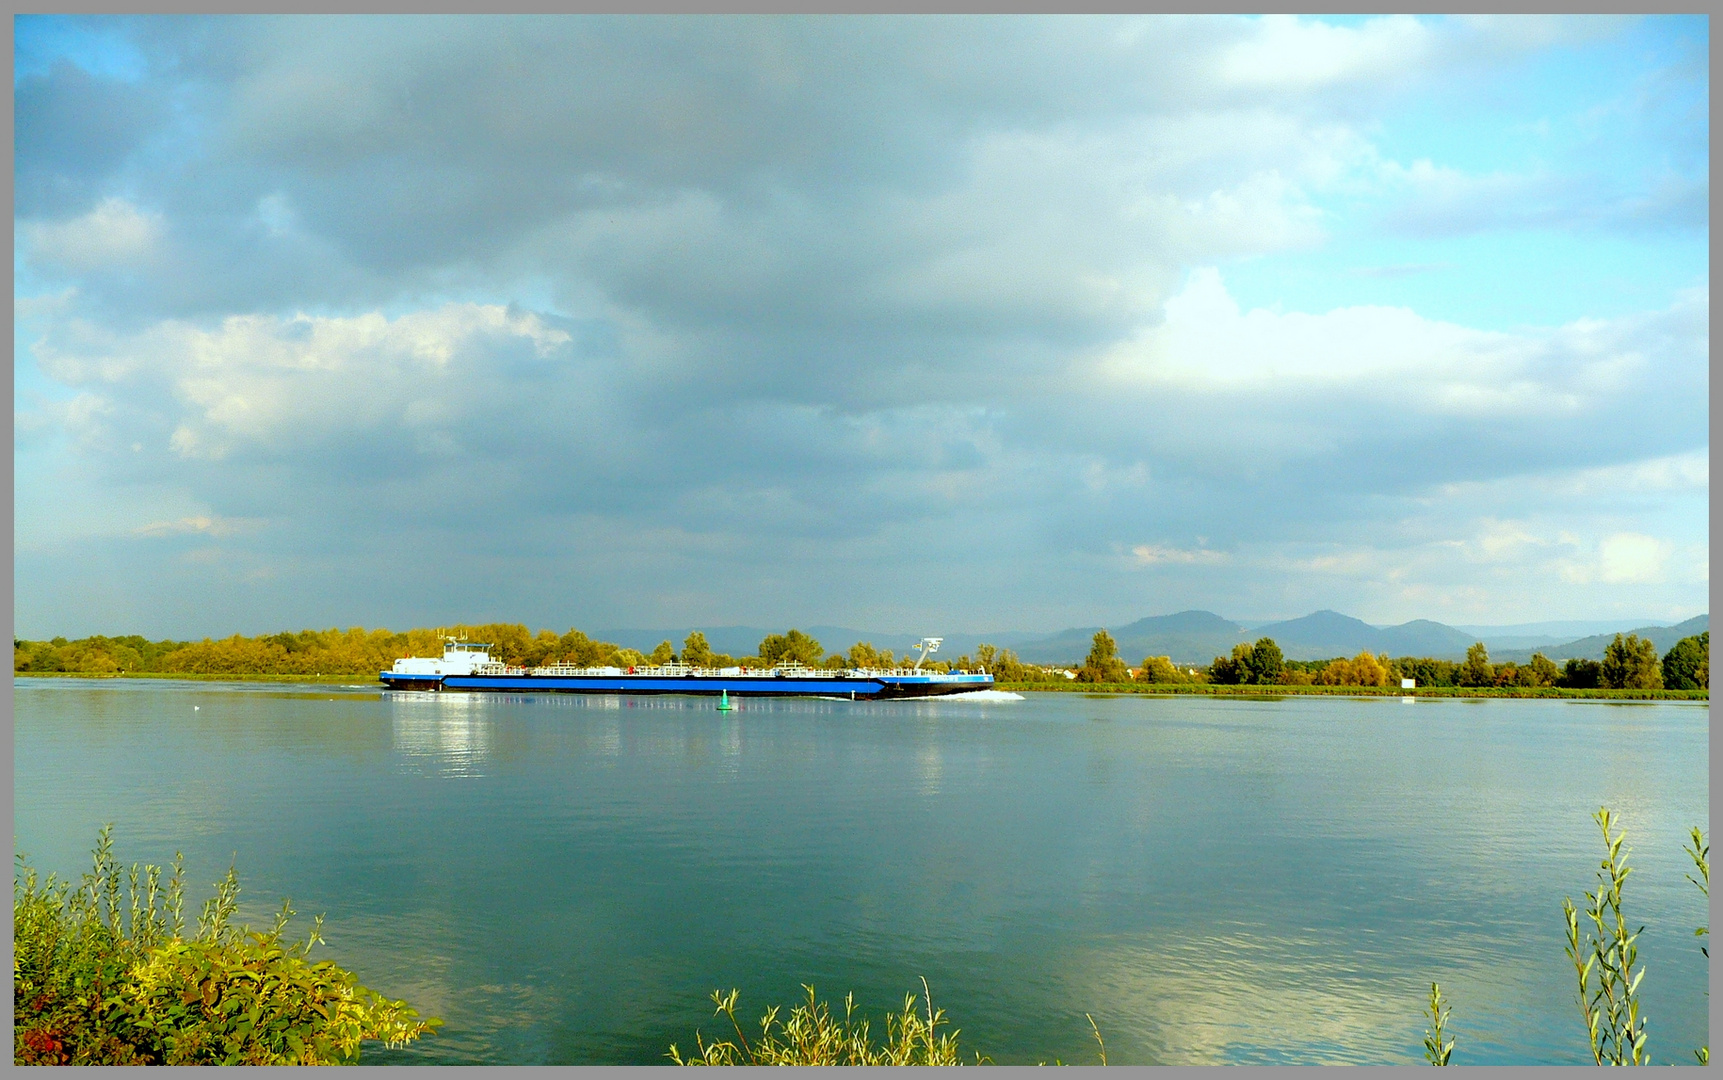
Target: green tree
(1630, 663)
(794, 646)
(1265, 661)
(1687, 666)
(1477, 670)
(663, 654)
(1007, 668)
(1234, 669)
(1103, 664)
(1579, 674)
(695, 650)
(863, 655)
(1428, 671)
(1540, 671)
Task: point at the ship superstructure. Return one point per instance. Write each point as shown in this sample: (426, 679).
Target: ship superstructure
(467, 665)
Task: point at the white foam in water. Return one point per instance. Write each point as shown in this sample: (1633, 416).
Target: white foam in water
(983, 695)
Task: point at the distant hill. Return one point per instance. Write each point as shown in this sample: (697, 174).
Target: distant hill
(1326, 634)
(1559, 630)
(1421, 637)
(1197, 637)
(1189, 637)
(1322, 634)
(1591, 648)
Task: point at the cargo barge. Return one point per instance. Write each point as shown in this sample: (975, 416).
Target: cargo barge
(468, 666)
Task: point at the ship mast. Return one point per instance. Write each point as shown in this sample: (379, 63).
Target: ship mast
(928, 646)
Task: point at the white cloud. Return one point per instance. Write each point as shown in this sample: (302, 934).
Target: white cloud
(202, 524)
(1688, 473)
(1298, 53)
(1149, 554)
(115, 233)
(1407, 363)
(279, 382)
(1630, 559)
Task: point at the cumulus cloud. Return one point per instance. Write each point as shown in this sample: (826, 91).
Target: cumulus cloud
(789, 306)
(1625, 558)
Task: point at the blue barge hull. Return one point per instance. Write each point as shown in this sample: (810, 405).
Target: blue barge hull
(857, 687)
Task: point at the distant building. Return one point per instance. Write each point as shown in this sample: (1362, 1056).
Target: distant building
(1408, 684)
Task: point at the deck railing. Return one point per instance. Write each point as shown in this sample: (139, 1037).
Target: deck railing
(674, 671)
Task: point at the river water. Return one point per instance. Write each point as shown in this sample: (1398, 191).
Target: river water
(566, 879)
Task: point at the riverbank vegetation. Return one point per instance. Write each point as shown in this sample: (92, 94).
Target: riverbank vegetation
(358, 652)
(104, 973)
(1630, 663)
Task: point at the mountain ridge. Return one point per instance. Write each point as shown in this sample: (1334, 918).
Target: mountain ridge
(1325, 634)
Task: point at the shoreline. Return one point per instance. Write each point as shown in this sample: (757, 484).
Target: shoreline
(1069, 687)
(314, 680)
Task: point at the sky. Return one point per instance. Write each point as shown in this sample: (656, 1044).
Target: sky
(912, 324)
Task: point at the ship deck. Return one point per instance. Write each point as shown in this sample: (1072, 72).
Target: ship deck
(806, 683)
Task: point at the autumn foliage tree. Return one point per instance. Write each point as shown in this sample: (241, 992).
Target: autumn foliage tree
(1362, 670)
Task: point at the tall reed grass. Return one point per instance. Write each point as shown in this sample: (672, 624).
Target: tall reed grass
(811, 1035)
(1605, 957)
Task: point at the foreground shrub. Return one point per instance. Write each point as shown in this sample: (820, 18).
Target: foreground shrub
(99, 982)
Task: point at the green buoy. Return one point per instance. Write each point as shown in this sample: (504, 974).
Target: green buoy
(723, 701)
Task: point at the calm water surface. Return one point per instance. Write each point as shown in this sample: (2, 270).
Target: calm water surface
(565, 879)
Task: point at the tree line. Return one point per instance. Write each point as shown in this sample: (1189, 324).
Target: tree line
(1629, 662)
(361, 652)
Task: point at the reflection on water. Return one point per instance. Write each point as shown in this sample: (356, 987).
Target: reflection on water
(1215, 881)
(441, 734)
(930, 768)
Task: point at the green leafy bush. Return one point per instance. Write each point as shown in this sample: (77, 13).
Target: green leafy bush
(98, 981)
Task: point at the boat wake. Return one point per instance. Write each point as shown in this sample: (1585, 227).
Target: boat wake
(980, 695)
